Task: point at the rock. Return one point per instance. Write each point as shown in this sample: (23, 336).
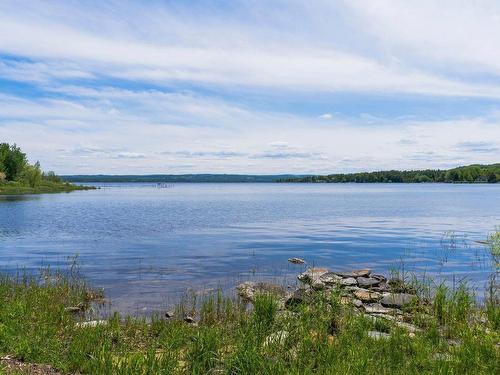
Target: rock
(298, 297)
(381, 278)
(396, 284)
(367, 282)
(169, 314)
(248, 290)
(398, 299)
(330, 278)
(407, 326)
(378, 335)
(382, 287)
(350, 281)
(277, 338)
(377, 308)
(357, 303)
(91, 323)
(345, 300)
(296, 260)
(344, 274)
(367, 296)
(312, 274)
(189, 319)
(361, 273)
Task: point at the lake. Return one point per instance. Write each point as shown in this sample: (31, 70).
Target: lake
(147, 245)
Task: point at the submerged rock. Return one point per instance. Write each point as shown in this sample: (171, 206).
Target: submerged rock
(398, 299)
(296, 260)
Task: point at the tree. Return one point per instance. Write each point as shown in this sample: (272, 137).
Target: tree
(12, 161)
(32, 175)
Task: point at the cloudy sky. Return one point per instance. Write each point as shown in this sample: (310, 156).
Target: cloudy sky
(250, 86)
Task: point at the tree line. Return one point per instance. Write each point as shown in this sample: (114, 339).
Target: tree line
(475, 173)
(14, 167)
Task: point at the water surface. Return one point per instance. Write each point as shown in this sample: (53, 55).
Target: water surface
(147, 245)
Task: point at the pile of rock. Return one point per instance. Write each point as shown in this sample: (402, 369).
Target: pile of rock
(372, 294)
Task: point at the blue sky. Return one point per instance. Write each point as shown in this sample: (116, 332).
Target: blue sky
(250, 86)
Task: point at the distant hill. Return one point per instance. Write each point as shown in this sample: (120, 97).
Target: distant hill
(475, 173)
(161, 178)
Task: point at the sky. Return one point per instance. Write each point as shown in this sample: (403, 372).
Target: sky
(251, 87)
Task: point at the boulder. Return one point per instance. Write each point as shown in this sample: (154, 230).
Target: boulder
(357, 303)
(367, 282)
(397, 300)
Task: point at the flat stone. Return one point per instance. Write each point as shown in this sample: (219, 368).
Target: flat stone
(378, 335)
(366, 282)
(296, 260)
(330, 278)
(357, 303)
(350, 281)
(382, 287)
(312, 274)
(344, 274)
(361, 273)
(367, 296)
(249, 290)
(377, 308)
(378, 277)
(398, 299)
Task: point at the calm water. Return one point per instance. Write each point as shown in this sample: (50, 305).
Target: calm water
(147, 245)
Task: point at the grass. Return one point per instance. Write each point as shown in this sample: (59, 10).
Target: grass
(45, 187)
(323, 337)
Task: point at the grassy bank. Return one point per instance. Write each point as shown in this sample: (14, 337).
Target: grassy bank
(44, 187)
(40, 323)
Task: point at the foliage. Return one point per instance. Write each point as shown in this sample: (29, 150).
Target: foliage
(455, 335)
(468, 174)
(12, 161)
(17, 176)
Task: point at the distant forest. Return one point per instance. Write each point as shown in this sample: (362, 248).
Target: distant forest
(171, 178)
(475, 173)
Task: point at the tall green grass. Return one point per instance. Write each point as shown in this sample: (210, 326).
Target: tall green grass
(325, 336)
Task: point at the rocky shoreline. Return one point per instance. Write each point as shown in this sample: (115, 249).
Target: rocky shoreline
(374, 295)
